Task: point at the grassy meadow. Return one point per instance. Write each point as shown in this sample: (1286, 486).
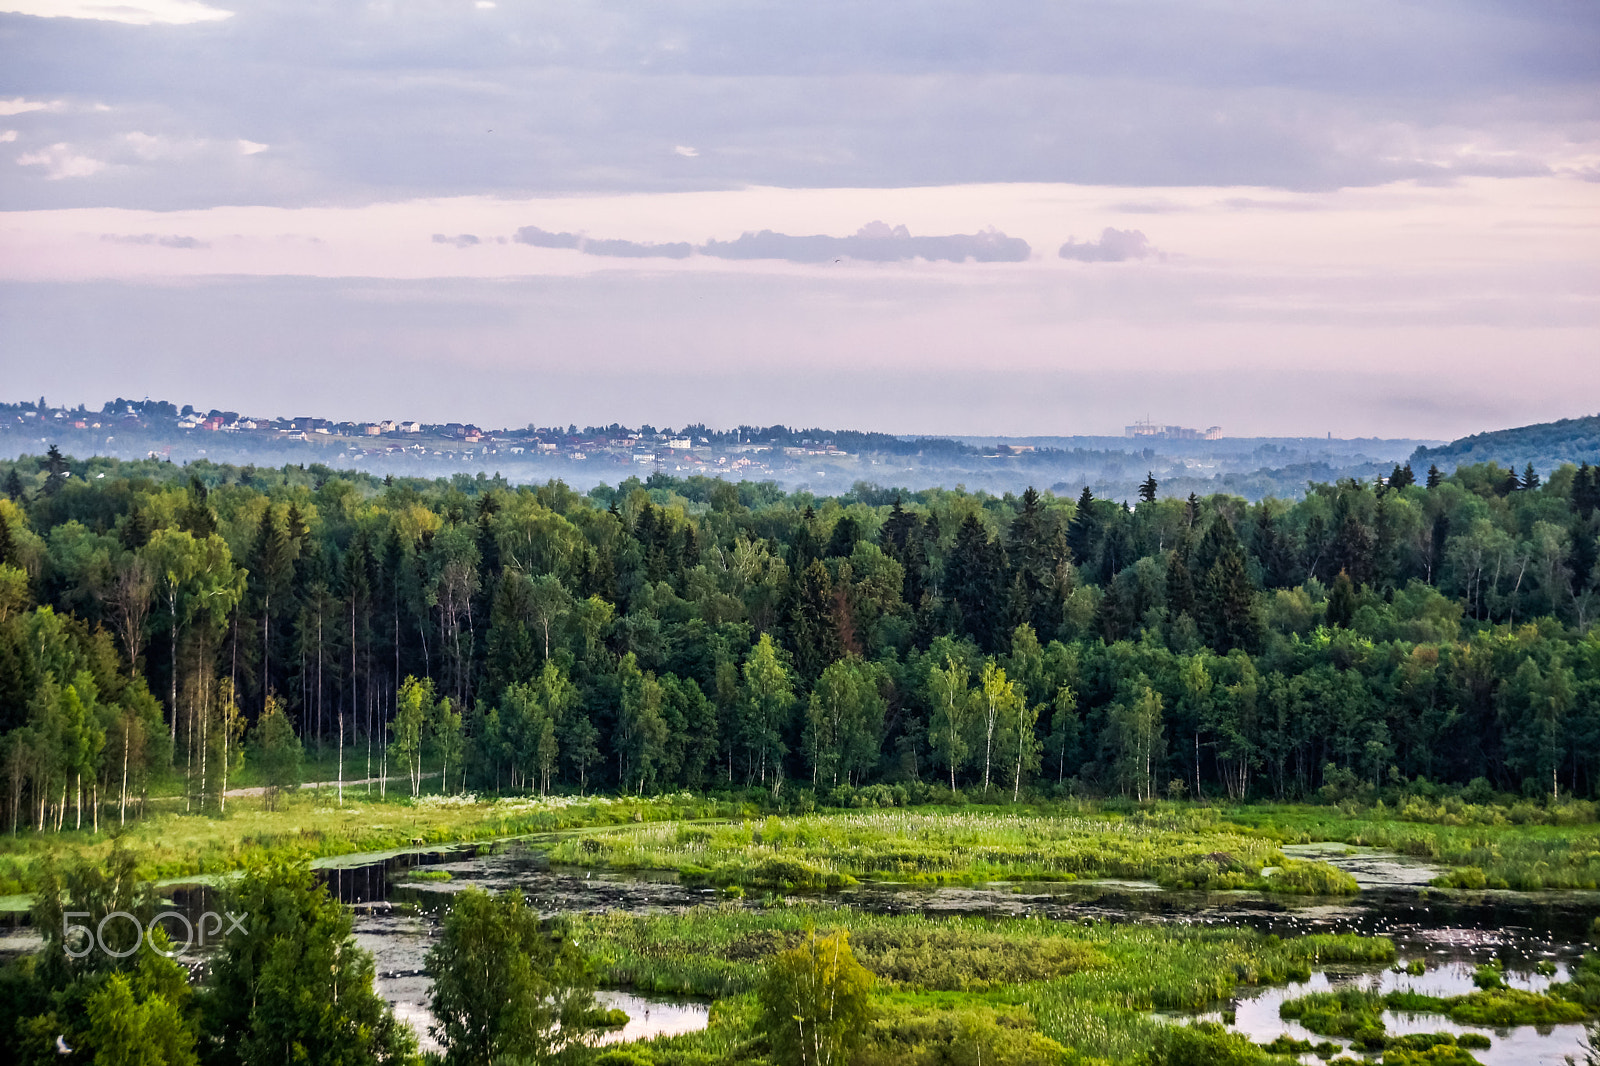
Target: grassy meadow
(952, 989)
(1175, 848)
(1524, 846)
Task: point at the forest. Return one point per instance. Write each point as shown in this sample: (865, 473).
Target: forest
(1433, 632)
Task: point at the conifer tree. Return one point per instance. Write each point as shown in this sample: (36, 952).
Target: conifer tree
(1342, 601)
(1434, 476)
(1083, 530)
(1147, 488)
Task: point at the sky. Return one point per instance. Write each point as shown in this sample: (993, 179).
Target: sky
(1359, 217)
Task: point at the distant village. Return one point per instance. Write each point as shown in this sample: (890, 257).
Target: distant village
(1180, 458)
(154, 428)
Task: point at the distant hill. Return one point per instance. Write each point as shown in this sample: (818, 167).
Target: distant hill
(1546, 446)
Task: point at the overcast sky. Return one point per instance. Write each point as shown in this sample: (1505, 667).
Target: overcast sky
(1365, 218)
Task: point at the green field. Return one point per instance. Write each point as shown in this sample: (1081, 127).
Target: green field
(960, 989)
(1176, 848)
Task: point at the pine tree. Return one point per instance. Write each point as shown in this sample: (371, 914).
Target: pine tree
(805, 546)
(1271, 550)
(1434, 476)
(136, 530)
(1530, 478)
(1586, 490)
(975, 583)
(1226, 599)
(55, 468)
(812, 633)
(196, 516)
(271, 565)
(1083, 530)
(1342, 601)
(1147, 488)
(1030, 568)
(896, 530)
(1180, 587)
(846, 531)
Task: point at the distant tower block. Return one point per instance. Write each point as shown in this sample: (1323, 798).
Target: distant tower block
(1151, 431)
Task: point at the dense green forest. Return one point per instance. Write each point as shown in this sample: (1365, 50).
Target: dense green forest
(1546, 445)
(695, 633)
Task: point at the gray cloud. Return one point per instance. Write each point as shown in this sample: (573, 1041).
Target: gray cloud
(622, 249)
(1114, 246)
(875, 242)
(460, 240)
(164, 241)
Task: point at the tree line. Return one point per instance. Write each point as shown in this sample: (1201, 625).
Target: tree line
(696, 633)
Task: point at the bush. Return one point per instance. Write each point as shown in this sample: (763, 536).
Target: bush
(1202, 1044)
(1311, 879)
(623, 1057)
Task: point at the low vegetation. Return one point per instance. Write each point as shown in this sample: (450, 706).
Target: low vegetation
(1358, 1013)
(1031, 985)
(1178, 849)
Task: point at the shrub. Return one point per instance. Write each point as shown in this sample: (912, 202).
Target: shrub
(1311, 879)
(1202, 1044)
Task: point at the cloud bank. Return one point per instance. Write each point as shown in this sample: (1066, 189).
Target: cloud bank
(876, 242)
(1114, 246)
(621, 249)
(160, 240)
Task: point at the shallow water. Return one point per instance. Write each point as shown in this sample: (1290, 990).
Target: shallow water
(1256, 1014)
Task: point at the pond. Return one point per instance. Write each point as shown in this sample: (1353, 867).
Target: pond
(1256, 1014)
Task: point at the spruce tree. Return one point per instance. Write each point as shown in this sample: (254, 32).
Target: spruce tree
(1083, 530)
(975, 582)
(1342, 601)
(271, 565)
(1180, 587)
(1434, 476)
(846, 531)
(1228, 606)
(1586, 490)
(55, 468)
(196, 516)
(1147, 488)
(1530, 478)
(14, 490)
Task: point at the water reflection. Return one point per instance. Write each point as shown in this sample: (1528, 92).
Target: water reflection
(1256, 1013)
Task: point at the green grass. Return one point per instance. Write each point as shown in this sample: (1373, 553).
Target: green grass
(1178, 846)
(1521, 847)
(1356, 1012)
(311, 825)
(1089, 987)
(1178, 849)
